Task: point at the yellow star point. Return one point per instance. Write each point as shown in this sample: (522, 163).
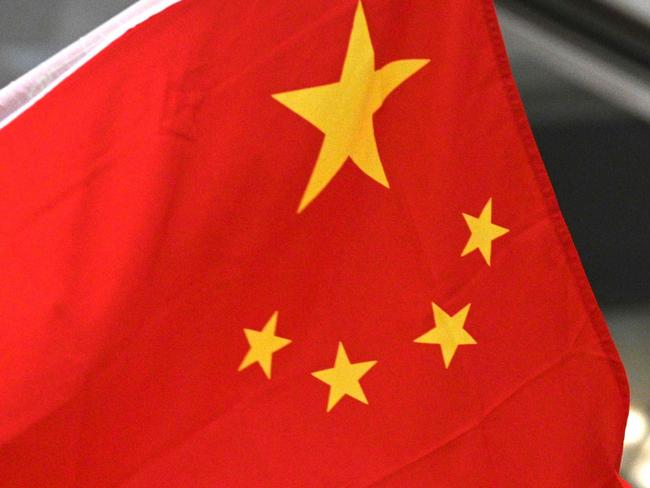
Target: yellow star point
(449, 332)
(343, 111)
(344, 378)
(483, 232)
(263, 344)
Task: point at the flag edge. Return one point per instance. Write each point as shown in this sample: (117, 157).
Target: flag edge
(24, 92)
(545, 186)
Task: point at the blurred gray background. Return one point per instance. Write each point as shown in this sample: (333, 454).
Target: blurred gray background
(583, 69)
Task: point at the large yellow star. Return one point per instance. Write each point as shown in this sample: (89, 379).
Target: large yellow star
(263, 344)
(448, 332)
(343, 111)
(344, 378)
(483, 232)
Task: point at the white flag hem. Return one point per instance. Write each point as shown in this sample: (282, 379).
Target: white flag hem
(23, 93)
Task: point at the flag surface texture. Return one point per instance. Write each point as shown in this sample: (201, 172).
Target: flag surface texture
(296, 244)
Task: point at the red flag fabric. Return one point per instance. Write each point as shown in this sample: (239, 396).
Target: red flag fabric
(296, 244)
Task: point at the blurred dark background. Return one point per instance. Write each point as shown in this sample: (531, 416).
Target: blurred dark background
(583, 69)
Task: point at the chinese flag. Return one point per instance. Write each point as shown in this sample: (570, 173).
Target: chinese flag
(296, 244)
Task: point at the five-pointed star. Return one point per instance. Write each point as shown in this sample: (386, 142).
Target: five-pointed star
(344, 378)
(343, 111)
(448, 332)
(263, 343)
(483, 232)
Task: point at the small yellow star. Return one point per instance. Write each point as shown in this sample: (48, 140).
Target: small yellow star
(483, 232)
(344, 378)
(263, 343)
(343, 111)
(448, 332)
